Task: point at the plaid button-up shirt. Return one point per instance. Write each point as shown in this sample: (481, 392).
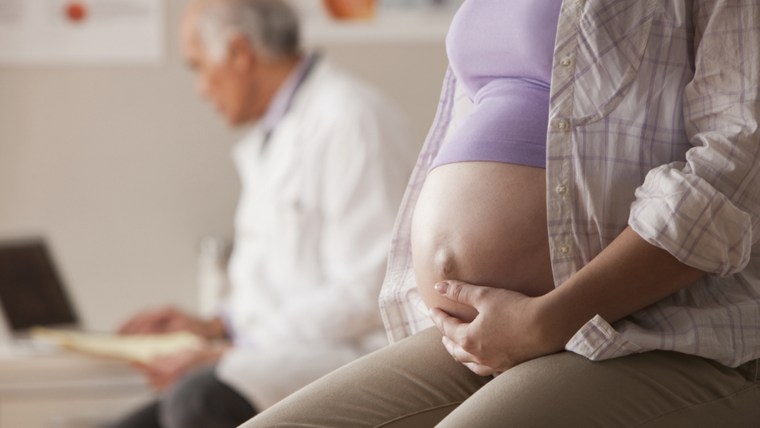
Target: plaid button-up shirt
(654, 123)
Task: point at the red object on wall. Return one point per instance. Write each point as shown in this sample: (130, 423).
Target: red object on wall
(75, 11)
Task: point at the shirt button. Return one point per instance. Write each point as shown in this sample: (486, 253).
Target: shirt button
(563, 124)
(567, 62)
(564, 249)
(561, 189)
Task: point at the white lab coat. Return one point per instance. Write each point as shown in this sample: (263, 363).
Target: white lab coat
(313, 228)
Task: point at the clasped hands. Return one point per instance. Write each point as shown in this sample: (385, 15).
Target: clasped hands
(163, 371)
(510, 328)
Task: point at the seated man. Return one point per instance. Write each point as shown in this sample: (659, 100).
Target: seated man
(323, 168)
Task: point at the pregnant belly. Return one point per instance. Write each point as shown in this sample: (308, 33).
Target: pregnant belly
(482, 223)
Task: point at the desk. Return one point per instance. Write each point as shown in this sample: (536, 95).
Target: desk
(65, 390)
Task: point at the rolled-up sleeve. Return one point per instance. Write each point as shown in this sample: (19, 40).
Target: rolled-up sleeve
(706, 210)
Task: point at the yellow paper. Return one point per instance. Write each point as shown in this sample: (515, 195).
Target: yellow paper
(135, 348)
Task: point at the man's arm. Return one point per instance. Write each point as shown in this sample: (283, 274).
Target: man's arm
(170, 319)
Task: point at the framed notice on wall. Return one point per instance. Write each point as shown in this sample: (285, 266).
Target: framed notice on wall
(81, 32)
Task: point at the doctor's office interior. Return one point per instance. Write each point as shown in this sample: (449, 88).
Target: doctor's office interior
(118, 187)
(365, 213)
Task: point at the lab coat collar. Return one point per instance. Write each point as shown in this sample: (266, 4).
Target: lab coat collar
(283, 99)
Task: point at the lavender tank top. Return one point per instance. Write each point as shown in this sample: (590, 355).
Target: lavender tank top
(501, 53)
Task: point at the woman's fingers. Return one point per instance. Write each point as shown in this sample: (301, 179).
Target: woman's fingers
(451, 327)
(462, 292)
(456, 335)
(467, 359)
(457, 352)
(481, 370)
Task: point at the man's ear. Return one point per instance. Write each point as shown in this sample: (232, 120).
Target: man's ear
(240, 53)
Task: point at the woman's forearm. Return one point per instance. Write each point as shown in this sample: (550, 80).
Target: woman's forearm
(628, 275)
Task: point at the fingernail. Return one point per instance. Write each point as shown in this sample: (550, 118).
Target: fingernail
(442, 287)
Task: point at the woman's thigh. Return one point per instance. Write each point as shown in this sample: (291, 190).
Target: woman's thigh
(655, 389)
(413, 383)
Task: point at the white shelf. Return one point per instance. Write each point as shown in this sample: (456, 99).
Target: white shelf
(422, 26)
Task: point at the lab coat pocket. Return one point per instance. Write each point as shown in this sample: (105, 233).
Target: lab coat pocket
(289, 218)
(295, 260)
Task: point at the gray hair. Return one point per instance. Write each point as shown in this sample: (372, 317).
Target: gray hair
(270, 26)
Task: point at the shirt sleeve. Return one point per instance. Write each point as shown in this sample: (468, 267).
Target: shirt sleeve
(705, 211)
(365, 166)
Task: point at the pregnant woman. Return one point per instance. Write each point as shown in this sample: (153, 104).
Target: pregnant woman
(481, 215)
(581, 246)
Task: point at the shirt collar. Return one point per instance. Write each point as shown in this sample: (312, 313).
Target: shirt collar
(284, 96)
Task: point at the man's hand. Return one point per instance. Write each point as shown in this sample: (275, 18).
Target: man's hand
(169, 320)
(163, 372)
(506, 332)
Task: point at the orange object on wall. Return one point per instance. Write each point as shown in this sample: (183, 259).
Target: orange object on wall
(351, 9)
(75, 11)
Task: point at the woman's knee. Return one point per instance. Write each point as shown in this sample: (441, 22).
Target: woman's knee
(414, 378)
(568, 390)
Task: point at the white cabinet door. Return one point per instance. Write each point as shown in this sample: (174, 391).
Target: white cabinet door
(63, 412)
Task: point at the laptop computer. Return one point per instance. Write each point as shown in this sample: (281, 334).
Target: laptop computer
(32, 292)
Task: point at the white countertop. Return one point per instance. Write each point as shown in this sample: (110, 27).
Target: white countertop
(51, 372)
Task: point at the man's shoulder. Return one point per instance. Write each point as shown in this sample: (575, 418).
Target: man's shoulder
(337, 74)
(335, 82)
(335, 100)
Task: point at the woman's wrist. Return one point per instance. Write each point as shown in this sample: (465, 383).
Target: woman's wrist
(556, 322)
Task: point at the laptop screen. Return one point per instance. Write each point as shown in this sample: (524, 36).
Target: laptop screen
(31, 291)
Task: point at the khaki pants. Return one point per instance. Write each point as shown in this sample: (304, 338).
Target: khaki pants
(416, 384)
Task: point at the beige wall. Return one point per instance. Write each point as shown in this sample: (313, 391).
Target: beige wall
(124, 169)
